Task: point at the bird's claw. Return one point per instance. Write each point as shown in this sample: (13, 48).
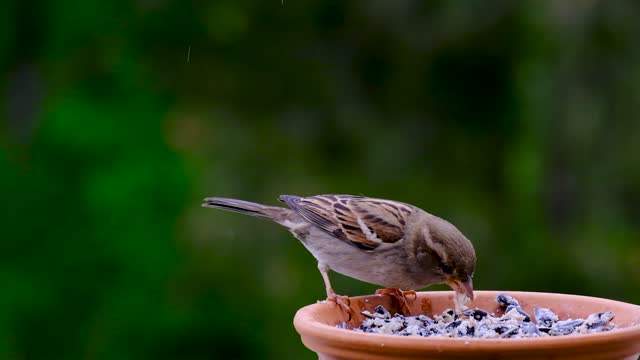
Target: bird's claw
(343, 301)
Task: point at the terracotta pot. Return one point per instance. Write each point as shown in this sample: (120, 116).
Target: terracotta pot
(316, 325)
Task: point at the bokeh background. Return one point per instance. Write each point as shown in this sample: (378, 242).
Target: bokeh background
(516, 121)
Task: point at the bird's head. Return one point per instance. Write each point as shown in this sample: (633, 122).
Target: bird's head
(453, 255)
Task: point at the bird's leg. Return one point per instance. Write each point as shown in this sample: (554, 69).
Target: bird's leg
(401, 296)
(343, 301)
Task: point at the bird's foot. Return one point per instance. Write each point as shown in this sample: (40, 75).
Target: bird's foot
(343, 301)
(401, 296)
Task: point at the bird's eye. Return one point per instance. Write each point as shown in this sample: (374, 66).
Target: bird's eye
(446, 268)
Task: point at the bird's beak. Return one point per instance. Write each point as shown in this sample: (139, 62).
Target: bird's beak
(462, 287)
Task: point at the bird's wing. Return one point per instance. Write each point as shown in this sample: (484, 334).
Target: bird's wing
(363, 222)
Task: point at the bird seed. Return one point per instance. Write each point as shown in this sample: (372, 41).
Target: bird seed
(477, 323)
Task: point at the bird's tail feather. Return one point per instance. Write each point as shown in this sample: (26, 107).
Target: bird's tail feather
(246, 207)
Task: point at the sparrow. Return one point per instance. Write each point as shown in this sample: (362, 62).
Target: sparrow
(383, 242)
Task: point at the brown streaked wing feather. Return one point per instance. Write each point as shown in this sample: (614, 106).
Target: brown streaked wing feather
(313, 212)
(338, 215)
(347, 219)
(321, 211)
(385, 218)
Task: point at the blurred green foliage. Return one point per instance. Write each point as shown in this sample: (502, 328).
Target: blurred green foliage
(517, 121)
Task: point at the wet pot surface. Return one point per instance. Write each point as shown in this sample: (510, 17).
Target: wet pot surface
(316, 325)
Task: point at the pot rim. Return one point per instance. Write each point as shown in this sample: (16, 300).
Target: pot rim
(307, 324)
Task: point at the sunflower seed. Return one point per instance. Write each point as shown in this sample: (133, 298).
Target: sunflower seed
(477, 323)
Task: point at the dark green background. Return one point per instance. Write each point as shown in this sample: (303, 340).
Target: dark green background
(517, 121)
